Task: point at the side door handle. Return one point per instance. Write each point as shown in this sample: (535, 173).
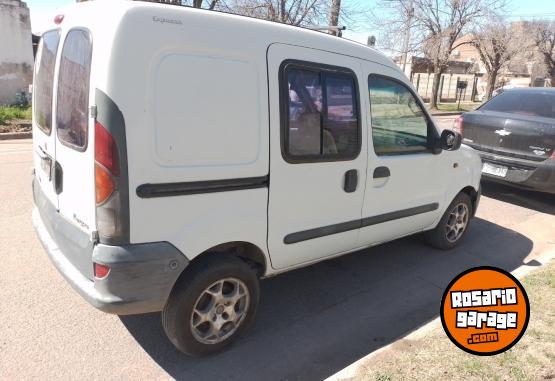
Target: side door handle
(381, 172)
(351, 181)
(58, 178)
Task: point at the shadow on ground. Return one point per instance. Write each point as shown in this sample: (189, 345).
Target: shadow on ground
(315, 321)
(540, 202)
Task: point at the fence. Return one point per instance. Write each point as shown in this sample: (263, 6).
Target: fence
(448, 86)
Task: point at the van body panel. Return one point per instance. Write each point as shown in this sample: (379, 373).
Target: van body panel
(204, 121)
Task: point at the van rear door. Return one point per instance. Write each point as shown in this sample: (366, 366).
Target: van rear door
(44, 135)
(75, 131)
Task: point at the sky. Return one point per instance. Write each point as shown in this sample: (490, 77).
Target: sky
(43, 12)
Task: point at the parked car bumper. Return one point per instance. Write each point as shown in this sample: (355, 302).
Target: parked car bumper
(141, 275)
(539, 176)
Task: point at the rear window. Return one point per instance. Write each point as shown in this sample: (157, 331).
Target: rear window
(72, 115)
(44, 80)
(523, 103)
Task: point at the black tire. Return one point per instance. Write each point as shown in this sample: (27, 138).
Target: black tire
(437, 237)
(176, 316)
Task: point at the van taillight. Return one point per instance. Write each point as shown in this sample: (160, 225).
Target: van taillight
(106, 163)
(458, 125)
(105, 149)
(104, 184)
(106, 179)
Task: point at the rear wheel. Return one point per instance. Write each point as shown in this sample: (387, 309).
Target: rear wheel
(211, 305)
(453, 225)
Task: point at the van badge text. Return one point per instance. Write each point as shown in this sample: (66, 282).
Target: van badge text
(163, 20)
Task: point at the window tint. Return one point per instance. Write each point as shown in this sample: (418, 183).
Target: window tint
(44, 80)
(322, 121)
(519, 102)
(399, 124)
(73, 90)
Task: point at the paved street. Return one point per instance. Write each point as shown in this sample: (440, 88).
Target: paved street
(312, 322)
(445, 121)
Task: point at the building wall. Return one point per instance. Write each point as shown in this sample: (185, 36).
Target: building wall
(16, 50)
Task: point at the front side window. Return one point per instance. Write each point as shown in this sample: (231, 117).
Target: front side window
(322, 122)
(73, 90)
(399, 125)
(44, 80)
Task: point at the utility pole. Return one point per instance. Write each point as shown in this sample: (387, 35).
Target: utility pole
(334, 16)
(410, 15)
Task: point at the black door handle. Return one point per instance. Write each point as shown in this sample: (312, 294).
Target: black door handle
(58, 178)
(351, 181)
(381, 172)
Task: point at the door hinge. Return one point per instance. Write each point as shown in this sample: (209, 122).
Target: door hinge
(93, 112)
(94, 236)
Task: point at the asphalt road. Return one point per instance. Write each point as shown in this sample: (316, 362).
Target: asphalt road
(312, 322)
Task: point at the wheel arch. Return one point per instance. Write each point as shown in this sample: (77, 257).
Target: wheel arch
(246, 251)
(474, 197)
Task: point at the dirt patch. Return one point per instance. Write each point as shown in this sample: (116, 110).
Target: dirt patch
(16, 125)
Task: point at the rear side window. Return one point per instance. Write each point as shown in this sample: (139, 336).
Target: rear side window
(399, 125)
(44, 80)
(322, 117)
(523, 103)
(72, 115)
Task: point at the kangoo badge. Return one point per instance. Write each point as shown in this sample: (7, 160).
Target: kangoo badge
(485, 311)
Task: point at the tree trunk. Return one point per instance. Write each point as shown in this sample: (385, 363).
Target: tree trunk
(492, 78)
(435, 89)
(334, 15)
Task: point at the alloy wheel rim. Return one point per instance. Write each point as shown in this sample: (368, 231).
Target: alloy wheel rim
(457, 222)
(219, 310)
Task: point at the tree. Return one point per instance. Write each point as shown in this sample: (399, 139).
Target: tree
(293, 12)
(544, 39)
(434, 26)
(441, 23)
(335, 10)
(497, 43)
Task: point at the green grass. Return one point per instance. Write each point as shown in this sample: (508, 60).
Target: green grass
(12, 112)
(433, 357)
(448, 107)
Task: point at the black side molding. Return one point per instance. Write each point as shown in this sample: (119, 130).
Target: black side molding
(342, 227)
(199, 187)
(374, 220)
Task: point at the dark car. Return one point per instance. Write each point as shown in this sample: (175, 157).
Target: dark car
(514, 133)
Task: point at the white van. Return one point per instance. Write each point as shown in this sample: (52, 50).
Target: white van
(181, 154)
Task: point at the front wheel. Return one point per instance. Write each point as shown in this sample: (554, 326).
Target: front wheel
(453, 225)
(211, 305)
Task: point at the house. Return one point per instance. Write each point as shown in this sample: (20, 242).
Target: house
(16, 51)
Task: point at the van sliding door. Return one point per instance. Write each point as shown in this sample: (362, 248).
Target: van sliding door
(317, 178)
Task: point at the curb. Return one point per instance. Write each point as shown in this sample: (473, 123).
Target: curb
(447, 113)
(16, 135)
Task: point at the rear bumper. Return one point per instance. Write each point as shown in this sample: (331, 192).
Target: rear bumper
(141, 275)
(527, 174)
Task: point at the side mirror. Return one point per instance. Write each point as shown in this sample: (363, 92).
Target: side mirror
(450, 140)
